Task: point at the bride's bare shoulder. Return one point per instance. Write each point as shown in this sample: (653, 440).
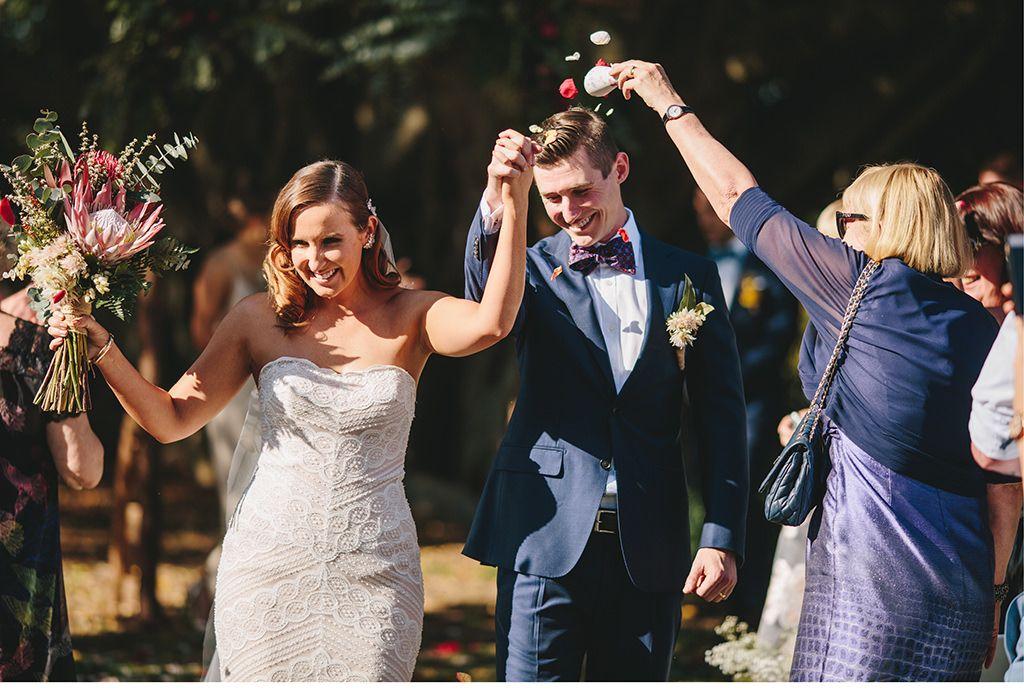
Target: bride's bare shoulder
(413, 303)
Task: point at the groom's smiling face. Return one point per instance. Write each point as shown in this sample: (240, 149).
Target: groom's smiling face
(580, 199)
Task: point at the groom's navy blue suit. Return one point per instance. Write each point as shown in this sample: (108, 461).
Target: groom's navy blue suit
(536, 517)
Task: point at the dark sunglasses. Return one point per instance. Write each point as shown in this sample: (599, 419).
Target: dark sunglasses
(844, 218)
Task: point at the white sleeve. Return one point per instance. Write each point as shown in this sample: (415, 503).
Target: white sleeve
(491, 218)
(992, 409)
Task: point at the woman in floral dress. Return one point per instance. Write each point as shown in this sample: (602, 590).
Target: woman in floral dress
(35, 642)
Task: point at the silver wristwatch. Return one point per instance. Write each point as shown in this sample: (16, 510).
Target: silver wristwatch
(675, 111)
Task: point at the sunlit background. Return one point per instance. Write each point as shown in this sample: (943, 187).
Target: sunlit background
(413, 92)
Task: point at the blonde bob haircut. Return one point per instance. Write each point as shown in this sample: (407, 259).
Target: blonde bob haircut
(317, 184)
(912, 217)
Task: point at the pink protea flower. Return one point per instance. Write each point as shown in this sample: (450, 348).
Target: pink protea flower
(100, 224)
(107, 163)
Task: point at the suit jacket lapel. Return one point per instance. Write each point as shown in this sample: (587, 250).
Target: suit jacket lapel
(571, 288)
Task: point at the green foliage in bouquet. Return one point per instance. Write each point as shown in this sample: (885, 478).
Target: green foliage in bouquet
(86, 235)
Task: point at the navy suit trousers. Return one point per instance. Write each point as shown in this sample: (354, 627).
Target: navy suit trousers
(592, 622)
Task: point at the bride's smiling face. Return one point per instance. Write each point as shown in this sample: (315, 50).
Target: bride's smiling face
(327, 248)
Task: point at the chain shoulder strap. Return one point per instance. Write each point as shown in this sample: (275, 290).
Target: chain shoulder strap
(821, 394)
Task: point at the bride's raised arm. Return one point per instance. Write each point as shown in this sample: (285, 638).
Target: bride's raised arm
(457, 327)
(201, 392)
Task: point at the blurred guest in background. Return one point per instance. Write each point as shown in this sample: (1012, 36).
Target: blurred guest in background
(37, 449)
(764, 318)
(826, 223)
(1004, 166)
(990, 213)
(229, 274)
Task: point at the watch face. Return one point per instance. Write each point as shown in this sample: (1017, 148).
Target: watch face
(674, 111)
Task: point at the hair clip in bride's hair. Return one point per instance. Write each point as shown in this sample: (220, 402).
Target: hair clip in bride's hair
(371, 207)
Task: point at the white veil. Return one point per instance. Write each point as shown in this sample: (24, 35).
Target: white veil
(244, 463)
(385, 237)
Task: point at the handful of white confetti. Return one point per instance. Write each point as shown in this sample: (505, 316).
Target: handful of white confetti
(599, 81)
(600, 38)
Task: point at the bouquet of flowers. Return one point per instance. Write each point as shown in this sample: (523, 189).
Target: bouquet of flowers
(85, 233)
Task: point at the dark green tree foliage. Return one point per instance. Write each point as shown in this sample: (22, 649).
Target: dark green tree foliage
(414, 91)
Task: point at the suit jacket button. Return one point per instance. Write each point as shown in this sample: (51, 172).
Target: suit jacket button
(606, 464)
(476, 248)
(615, 410)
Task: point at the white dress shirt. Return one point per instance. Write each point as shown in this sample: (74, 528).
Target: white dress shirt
(992, 410)
(620, 305)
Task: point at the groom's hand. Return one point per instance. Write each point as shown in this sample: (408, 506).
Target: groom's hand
(713, 574)
(513, 154)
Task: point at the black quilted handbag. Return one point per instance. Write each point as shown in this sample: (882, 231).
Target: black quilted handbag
(796, 482)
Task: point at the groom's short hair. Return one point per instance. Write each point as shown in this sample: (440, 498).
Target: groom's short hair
(564, 134)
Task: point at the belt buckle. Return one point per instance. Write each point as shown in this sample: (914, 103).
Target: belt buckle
(606, 522)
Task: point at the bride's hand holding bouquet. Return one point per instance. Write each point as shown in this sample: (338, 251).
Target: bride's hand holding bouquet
(86, 236)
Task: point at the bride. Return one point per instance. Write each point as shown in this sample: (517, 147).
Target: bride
(320, 573)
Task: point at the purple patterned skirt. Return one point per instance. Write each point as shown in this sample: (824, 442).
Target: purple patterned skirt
(899, 578)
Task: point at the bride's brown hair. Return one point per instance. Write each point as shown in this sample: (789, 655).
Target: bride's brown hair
(317, 184)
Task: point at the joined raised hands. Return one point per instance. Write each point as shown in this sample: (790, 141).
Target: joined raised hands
(512, 155)
(512, 161)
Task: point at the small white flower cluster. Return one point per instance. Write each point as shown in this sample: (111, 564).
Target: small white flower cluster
(54, 267)
(742, 658)
(102, 283)
(683, 325)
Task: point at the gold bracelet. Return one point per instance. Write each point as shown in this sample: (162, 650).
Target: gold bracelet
(104, 349)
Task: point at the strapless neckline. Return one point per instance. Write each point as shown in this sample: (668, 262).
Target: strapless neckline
(341, 374)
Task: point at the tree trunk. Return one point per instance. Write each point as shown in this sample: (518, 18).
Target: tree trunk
(137, 523)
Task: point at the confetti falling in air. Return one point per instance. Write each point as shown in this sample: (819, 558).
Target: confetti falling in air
(600, 38)
(568, 89)
(535, 129)
(599, 81)
(572, 58)
(597, 109)
(610, 112)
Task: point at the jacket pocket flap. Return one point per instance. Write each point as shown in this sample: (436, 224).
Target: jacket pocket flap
(542, 460)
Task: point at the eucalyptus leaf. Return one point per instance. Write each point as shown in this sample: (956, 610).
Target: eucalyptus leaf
(41, 125)
(689, 299)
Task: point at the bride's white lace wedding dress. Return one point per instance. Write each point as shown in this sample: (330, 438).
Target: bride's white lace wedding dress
(320, 576)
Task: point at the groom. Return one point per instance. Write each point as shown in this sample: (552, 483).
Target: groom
(585, 508)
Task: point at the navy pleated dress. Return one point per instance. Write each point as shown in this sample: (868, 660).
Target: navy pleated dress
(899, 559)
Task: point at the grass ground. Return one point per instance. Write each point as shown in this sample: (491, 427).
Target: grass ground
(458, 627)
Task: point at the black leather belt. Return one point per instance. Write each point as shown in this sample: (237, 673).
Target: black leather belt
(607, 522)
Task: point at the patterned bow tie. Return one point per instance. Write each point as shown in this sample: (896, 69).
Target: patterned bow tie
(616, 254)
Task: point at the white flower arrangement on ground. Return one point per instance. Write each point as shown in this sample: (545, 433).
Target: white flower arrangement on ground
(683, 323)
(742, 658)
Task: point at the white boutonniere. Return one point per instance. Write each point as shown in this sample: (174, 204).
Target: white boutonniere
(682, 324)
